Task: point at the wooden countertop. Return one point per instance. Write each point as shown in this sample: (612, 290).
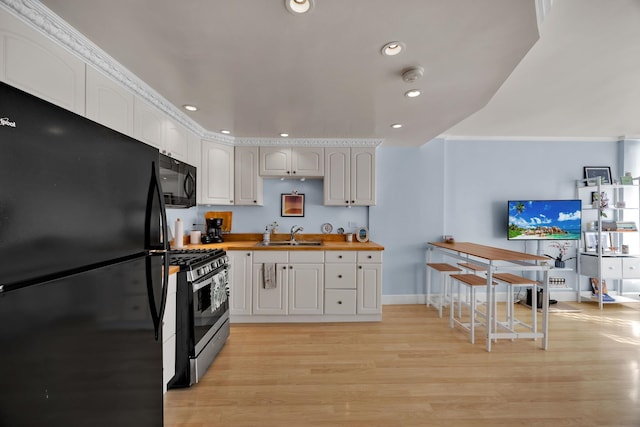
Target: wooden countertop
(330, 242)
(488, 252)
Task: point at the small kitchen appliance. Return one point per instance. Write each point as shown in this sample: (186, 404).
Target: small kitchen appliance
(214, 231)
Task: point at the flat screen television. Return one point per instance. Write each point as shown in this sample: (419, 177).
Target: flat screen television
(544, 219)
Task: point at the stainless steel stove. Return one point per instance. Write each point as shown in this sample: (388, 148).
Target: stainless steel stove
(202, 311)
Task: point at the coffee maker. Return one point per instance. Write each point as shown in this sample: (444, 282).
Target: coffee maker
(214, 231)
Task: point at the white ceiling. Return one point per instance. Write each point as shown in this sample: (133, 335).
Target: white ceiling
(581, 80)
(257, 70)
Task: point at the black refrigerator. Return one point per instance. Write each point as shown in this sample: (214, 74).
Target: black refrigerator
(83, 270)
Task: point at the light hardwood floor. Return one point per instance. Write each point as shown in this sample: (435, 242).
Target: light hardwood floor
(411, 369)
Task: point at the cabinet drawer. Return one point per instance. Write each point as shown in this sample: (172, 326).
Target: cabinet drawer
(611, 267)
(365, 257)
(340, 276)
(260, 257)
(340, 301)
(631, 268)
(309, 257)
(340, 256)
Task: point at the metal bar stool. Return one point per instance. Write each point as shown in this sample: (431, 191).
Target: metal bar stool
(512, 280)
(473, 268)
(445, 271)
(472, 282)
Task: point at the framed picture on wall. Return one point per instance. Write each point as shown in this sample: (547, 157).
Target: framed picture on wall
(292, 204)
(591, 173)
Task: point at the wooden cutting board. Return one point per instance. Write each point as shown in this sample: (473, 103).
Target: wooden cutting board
(226, 219)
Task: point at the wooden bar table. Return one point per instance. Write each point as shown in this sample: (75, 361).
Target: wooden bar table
(497, 259)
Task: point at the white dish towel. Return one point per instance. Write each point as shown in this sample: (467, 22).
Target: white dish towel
(269, 276)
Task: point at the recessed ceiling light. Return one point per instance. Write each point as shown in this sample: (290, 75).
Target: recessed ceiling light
(412, 93)
(396, 125)
(190, 107)
(284, 135)
(392, 48)
(226, 132)
(297, 7)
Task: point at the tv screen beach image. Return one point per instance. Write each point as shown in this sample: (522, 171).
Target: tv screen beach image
(544, 219)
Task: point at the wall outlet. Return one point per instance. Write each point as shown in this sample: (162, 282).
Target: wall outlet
(352, 224)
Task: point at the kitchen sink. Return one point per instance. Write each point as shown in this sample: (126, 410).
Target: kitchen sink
(290, 243)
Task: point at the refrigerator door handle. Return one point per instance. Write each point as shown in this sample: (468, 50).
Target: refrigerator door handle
(155, 190)
(157, 313)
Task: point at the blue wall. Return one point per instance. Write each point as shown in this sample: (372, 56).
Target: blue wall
(457, 187)
(253, 219)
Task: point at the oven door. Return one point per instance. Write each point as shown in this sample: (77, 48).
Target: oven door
(210, 304)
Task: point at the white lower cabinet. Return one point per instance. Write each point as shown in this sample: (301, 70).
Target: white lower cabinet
(369, 283)
(305, 286)
(169, 333)
(241, 274)
(306, 282)
(270, 299)
(340, 282)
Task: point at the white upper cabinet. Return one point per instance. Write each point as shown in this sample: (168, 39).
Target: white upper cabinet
(176, 141)
(217, 172)
(36, 65)
(153, 127)
(248, 183)
(108, 103)
(292, 161)
(350, 177)
(363, 176)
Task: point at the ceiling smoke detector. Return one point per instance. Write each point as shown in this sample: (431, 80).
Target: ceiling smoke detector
(412, 74)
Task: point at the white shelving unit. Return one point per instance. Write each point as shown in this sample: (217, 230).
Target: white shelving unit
(610, 250)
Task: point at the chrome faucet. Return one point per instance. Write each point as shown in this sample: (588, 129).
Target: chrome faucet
(295, 229)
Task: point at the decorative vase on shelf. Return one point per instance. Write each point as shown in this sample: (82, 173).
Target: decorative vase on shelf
(559, 264)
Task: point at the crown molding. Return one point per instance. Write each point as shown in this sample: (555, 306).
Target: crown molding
(309, 142)
(451, 138)
(42, 19)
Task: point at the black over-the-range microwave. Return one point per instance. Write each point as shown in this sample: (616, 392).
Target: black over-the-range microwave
(178, 180)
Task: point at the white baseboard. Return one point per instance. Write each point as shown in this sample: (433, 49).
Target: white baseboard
(558, 295)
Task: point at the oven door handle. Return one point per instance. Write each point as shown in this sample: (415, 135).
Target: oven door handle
(203, 284)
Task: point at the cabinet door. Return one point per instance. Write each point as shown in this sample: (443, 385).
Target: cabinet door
(217, 174)
(306, 288)
(248, 182)
(337, 179)
(109, 103)
(275, 161)
(363, 176)
(176, 140)
(369, 288)
(39, 66)
(240, 282)
(273, 300)
(307, 161)
(148, 124)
